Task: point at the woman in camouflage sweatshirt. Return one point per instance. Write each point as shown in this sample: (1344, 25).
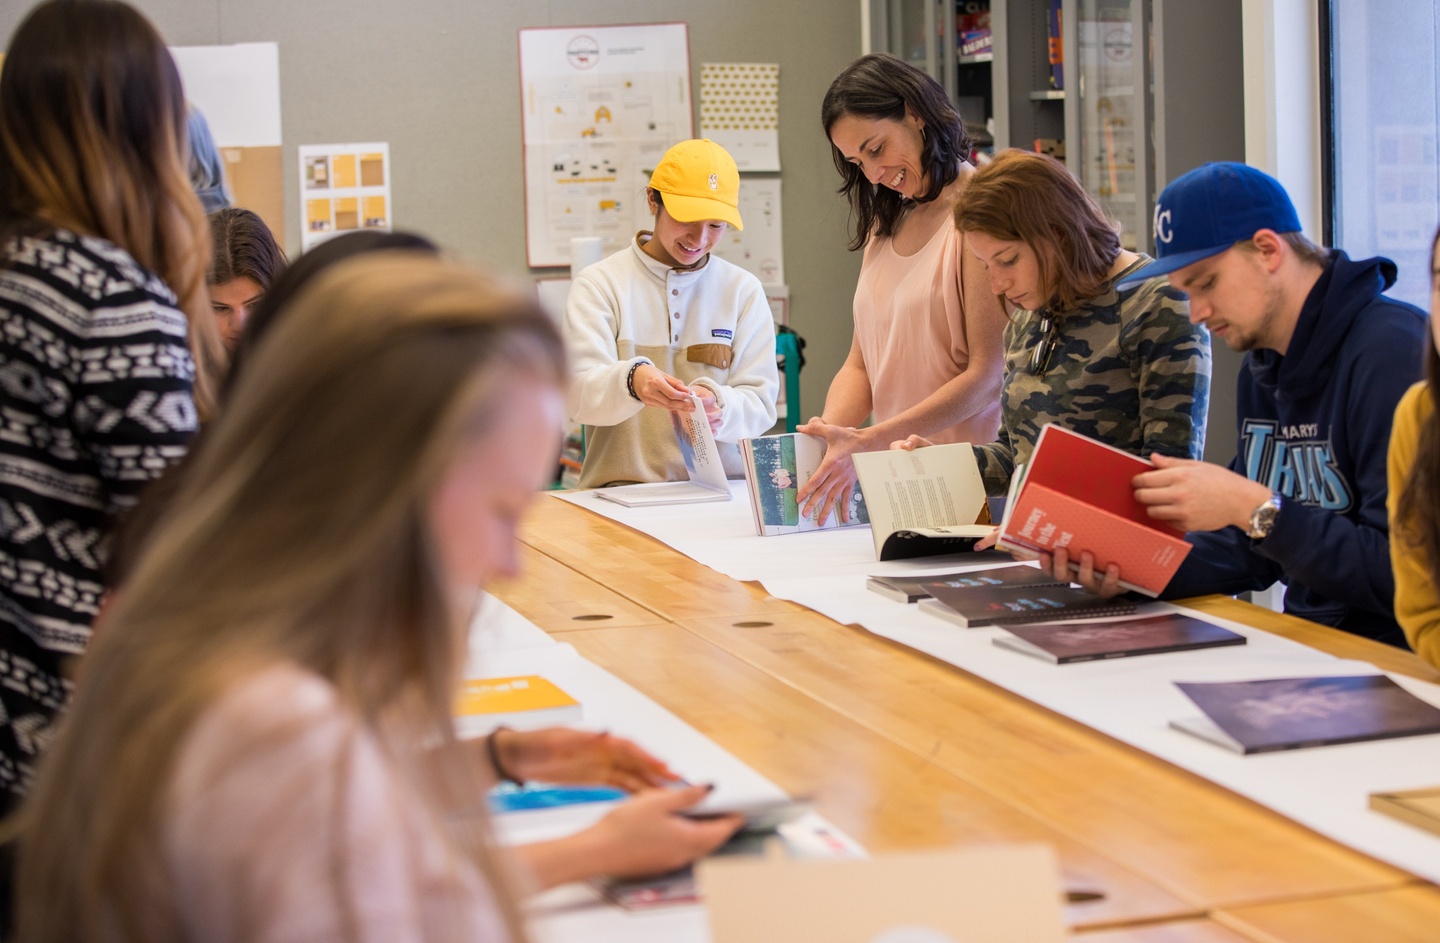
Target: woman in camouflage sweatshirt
(1125, 367)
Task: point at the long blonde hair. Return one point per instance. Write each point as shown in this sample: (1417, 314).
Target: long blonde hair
(298, 534)
(93, 139)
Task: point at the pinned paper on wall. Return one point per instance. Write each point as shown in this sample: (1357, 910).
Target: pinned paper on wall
(237, 89)
(740, 111)
(599, 106)
(758, 248)
(343, 188)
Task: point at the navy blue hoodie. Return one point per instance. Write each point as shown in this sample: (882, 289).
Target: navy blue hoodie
(1314, 425)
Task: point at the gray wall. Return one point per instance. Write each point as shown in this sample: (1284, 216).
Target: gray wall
(439, 80)
(1200, 117)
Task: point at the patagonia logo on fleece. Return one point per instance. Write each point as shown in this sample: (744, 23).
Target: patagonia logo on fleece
(722, 333)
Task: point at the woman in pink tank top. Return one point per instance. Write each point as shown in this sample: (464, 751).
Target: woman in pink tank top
(927, 356)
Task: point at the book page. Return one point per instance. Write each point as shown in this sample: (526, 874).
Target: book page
(938, 486)
(697, 447)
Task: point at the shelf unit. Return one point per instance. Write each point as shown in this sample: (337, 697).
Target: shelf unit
(1186, 57)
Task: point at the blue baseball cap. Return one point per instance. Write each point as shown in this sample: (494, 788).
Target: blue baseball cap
(1208, 210)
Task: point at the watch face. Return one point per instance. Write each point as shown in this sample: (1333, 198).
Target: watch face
(1263, 520)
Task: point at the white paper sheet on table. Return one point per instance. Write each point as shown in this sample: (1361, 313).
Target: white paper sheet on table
(1131, 699)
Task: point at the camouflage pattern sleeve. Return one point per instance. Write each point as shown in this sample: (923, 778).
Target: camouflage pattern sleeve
(1173, 369)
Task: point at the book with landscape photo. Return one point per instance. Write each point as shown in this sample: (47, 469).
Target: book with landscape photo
(924, 502)
(702, 463)
(975, 606)
(1294, 713)
(908, 589)
(525, 702)
(776, 466)
(1094, 641)
(1076, 493)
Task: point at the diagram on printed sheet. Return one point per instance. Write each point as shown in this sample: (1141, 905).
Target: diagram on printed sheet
(600, 105)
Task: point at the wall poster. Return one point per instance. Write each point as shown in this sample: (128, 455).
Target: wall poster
(599, 106)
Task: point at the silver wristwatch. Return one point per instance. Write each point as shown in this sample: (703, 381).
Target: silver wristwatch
(1262, 519)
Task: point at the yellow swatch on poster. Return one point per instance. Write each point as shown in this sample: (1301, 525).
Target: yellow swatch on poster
(317, 215)
(375, 214)
(344, 170)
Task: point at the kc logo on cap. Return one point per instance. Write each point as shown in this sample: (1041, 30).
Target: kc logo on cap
(1163, 232)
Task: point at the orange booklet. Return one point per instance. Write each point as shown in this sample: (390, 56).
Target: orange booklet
(1076, 494)
(526, 702)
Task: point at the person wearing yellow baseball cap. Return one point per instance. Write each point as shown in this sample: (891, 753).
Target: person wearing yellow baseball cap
(662, 320)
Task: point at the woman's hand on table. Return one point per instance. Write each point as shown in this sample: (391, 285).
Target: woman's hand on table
(580, 757)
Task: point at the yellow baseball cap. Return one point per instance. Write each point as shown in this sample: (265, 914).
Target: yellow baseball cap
(699, 181)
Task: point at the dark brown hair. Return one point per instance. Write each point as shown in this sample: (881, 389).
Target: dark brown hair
(882, 86)
(1417, 513)
(1024, 197)
(92, 139)
(244, 248)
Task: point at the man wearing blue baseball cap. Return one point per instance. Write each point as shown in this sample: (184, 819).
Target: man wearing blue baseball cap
(1328, 359)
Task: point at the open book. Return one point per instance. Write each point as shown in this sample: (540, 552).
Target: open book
(776, 466)
(923, 502)
(1076, 494)
(1293, 713)
(702, 463)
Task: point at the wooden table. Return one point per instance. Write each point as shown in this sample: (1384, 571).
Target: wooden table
(904, 751)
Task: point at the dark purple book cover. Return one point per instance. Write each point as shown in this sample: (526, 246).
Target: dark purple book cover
(1004, 605)
(1290, 713)
(1090, 641)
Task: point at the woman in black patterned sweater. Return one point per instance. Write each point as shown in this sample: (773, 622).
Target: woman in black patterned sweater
(106, 338)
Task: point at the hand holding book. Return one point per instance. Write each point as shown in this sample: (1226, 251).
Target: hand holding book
(1197, 496)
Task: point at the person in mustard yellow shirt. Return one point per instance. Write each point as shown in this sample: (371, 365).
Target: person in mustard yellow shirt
(1414, 505)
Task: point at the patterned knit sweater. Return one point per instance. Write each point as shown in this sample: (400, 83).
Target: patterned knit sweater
(95, 401)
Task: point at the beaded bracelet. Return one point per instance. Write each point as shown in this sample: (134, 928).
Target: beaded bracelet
(492, 751)
(630, 378)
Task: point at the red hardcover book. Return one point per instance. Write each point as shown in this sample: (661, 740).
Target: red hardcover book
(1076, 493)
